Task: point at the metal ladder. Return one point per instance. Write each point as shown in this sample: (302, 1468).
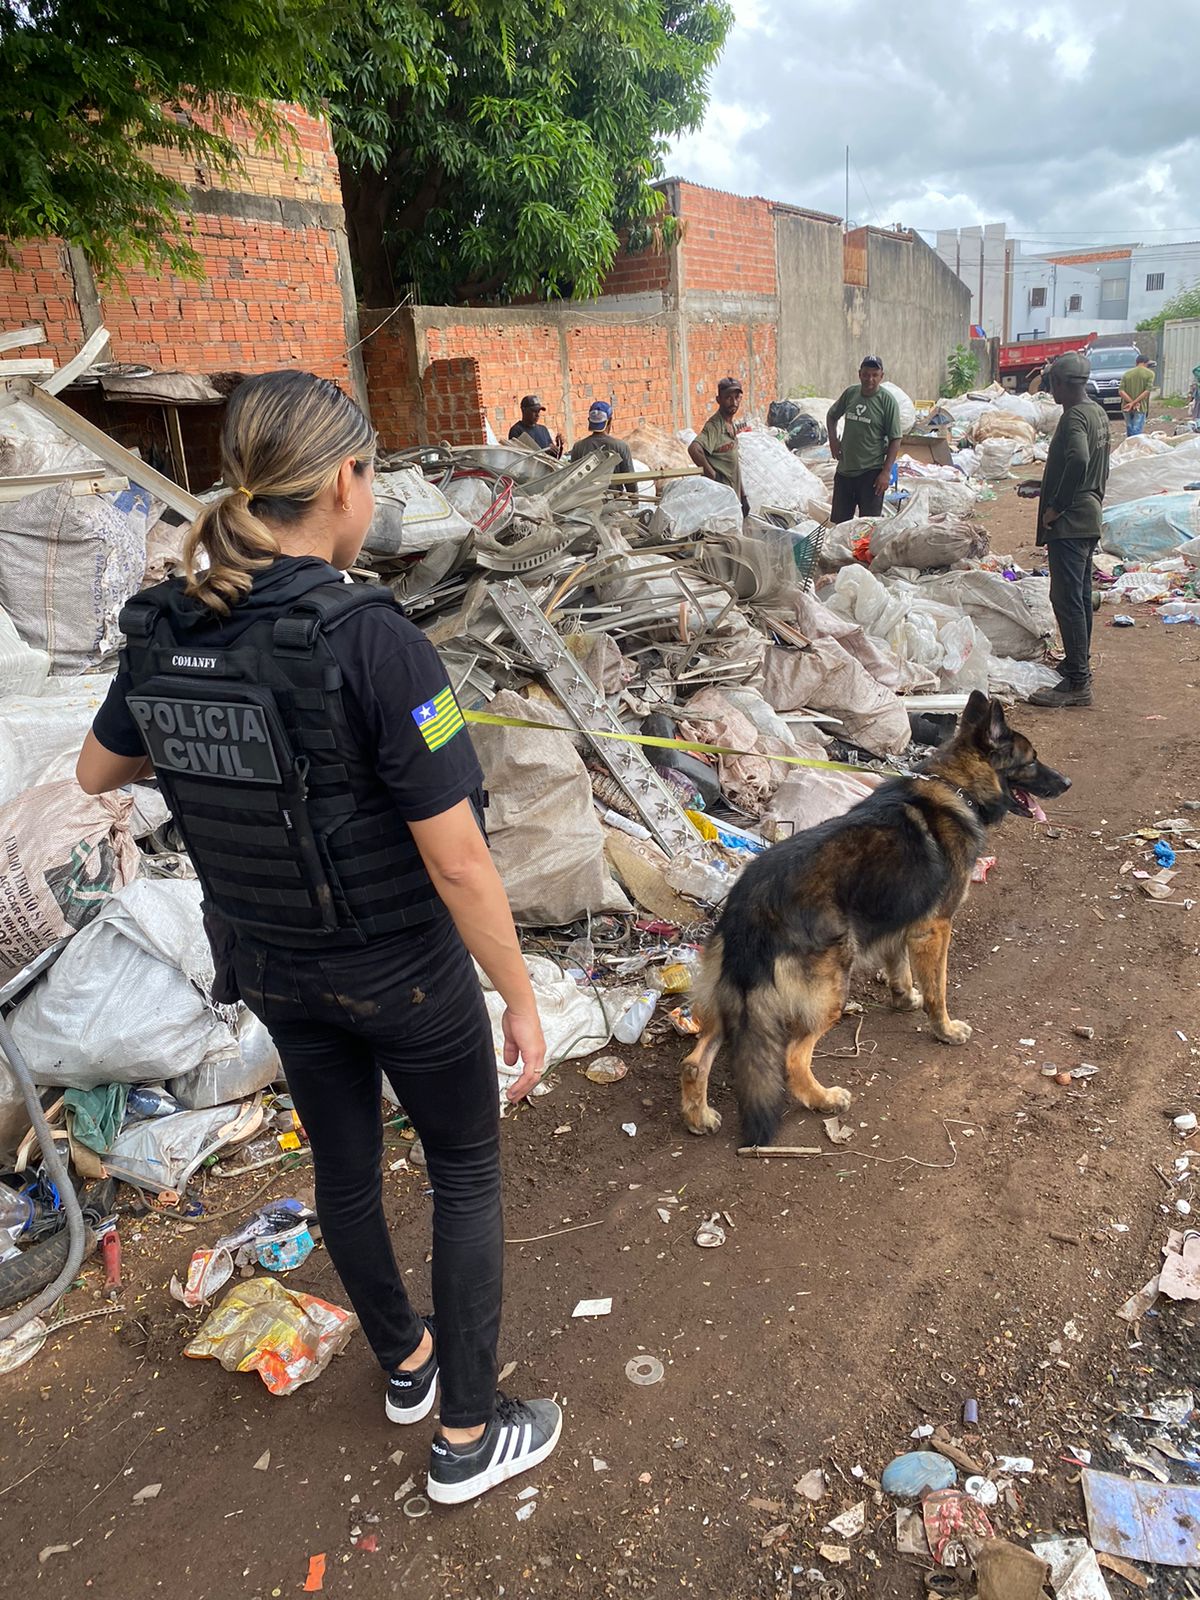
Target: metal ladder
(656, 806)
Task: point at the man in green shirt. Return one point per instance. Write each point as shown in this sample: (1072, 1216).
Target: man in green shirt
(1069, 523)
(869, 444)
(714, 449)
(1135, 396)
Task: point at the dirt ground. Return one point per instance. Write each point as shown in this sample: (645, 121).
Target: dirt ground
(979, 1211)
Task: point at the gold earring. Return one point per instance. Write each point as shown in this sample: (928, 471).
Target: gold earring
(345, 505)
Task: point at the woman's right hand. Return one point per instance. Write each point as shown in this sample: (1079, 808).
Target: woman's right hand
(524, 1042)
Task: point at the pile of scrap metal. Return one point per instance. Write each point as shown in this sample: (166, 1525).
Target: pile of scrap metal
(658, 689)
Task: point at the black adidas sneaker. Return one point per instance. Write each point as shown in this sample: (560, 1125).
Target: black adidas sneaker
(521, 1434)
(410, 1395)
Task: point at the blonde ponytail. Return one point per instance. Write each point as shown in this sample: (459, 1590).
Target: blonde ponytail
(286, 434)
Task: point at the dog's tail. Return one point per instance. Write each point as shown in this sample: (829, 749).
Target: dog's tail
(757, 1037)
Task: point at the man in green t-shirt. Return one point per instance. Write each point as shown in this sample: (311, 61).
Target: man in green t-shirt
(714, 449)
(869, 444)
(1135, 396)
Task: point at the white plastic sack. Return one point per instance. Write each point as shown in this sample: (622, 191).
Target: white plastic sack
(825, 677)
(1018, 680)
(1019, 405)
(63, 853)
(908, 411)
(700, 505)
(38, 729)
(161, 1153)
(128, 999)
(22, 669)
(995, 458)
(545, 837)
(31, 443)
(411, 514)
(576, 1021)
(1000, 609)
(1159, 474)
(1137, 446)
(220, 1080)
(68, 563)
(773, 477)
(929, 632)
(818, 621)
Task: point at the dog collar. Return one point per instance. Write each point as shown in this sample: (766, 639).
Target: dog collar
(968, 800)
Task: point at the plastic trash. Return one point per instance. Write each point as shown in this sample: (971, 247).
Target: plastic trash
(916, 1472)
(632, 1022)
(144, 1100)
(287, 1338)
(606, 1069)
(1163, 854)
(644, 1371)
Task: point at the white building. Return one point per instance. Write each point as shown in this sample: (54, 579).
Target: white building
(1017, 294)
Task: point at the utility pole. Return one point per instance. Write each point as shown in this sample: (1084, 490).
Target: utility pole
(846, 214)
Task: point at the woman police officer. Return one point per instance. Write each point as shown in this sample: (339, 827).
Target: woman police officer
(317, 764)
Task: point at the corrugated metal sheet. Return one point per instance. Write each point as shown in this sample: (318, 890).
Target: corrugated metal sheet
(1181, 352)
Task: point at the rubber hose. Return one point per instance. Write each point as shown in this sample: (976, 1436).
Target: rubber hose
(57, 1168)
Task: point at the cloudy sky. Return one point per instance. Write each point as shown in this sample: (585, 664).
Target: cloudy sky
(1073, 121)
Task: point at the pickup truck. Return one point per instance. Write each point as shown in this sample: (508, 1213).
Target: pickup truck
(1020, 360)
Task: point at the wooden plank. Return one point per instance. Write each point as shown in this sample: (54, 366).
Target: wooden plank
(106, 448)
(79, 362)
(18, 338)
(31, 367)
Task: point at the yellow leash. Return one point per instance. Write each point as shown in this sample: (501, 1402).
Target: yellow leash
(658, 743)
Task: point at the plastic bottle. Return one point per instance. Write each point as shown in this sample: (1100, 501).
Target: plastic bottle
(632, 1023)
(16, 1213)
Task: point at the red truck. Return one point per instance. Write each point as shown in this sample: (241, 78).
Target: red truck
(1019, 361)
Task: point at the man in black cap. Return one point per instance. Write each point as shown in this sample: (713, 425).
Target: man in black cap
(714, 449)
(1069, 522)
(869, 444)
(532, 427)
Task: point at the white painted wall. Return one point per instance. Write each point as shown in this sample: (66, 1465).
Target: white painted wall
(1180, 268)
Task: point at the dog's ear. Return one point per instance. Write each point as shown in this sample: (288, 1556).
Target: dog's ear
(975, 712)
(997, 726)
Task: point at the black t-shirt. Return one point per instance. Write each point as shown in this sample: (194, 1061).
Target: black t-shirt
(390, 672)
(538, 433)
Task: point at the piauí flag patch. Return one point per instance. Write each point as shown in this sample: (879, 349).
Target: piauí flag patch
(439, 719)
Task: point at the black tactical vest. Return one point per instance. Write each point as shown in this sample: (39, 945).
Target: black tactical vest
(293, 835)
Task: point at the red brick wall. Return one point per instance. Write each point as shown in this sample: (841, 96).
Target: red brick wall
(646, 272)
(271, 296)
(39, 288)
(742, 350)
(454, 401)
(728, 242)
(393, 386)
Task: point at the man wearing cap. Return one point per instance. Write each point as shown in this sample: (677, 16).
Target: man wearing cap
(715, 449)
(1135, 396)
(869, 444)
(532, 427)
(1069, 522)
(600, 437)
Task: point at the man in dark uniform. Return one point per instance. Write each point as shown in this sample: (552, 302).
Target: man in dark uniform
(867, 449)
(532, 428)
(1069, 522)
(601, 437)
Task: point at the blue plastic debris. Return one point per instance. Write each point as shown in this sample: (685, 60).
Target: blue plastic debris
(1163, 854)
(909, 1476)
(1157, 1522)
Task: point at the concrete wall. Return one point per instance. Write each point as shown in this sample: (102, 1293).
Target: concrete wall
(912, 312)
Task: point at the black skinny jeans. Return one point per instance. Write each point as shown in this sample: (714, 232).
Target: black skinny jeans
(409, 1006)
(1070, 563)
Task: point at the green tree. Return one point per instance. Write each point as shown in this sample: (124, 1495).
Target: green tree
(494, 149)
(1185, 304)
(89, 88)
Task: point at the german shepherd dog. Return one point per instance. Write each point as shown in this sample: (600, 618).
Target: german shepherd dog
(877, 885)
